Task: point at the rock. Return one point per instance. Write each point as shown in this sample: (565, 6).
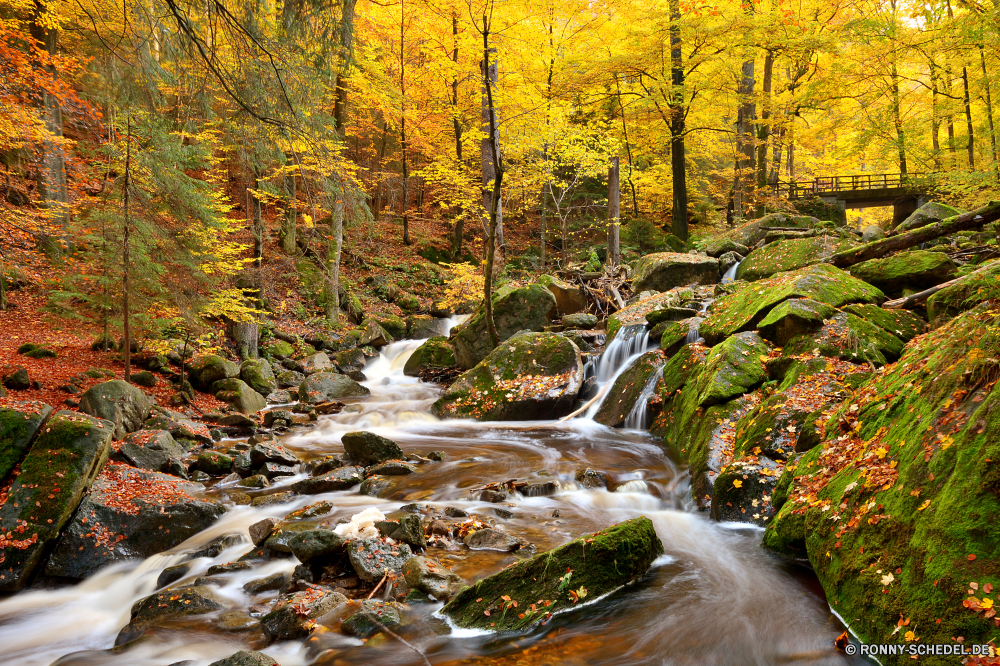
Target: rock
(179, 427)
(325, 386)
(351, 360)
(165, 606)
(407, 529)
(526, 308)
(492, 539)
(149, 449)
(370, 619)
(290, 379)
(261, 530)
(743, 489)
(455, 512)
(246, 657)
(790, 255)
(277, 581)
(57, 471)
(271, 471)
(422, 327)
(318, 362)
(206, 370)
(311, 511)
(636, 311)
(570, 299)
(628, 388)
(529, 376)
(280, 396)
(732, 368)
(367, 448)
(339, 479)
(392, 468)
(724, 245)
(929, 213)
(241, 397)
(147, 512)
(258, 375)
(214, 463)
(373, 334)
(793, 317)
(256, 481)
(913, 269)
(15, 378)
(850, 338)
(326, 464)
(37, 352)
(119, 402)
(393, 325)
(144, 378)
(665, 270)
(19, 423)
(904, 324)
(271, 452)
(434, 353)
(277, 349)
(384, 557)
(749, 304)
(172, 574)
(670, 313)
(580, 320)
(273, 498)
(493, 496)
(871, 233)
(294, 616)
(672, 334)
(273, 416)
(374, 486)
(596, 565)
(963, 296)
(317, 546)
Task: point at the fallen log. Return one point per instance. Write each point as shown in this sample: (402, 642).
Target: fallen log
(913, 299)
(977, 218)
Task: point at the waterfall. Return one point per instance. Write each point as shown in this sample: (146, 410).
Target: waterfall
(693, 332)
(629, 342)
(730, 273)
(638, 418)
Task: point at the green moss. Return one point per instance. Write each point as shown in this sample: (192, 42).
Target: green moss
(732, 368)
(967, 294)
(672, 335)
(789, 255)
(514, 309)
(904, 324)
(913, 269)
(435, 352)
(18, 425)
(793, 317)
(849, 338)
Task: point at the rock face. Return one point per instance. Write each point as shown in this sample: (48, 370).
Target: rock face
(119, 402)
(569, 298)
(367, 448)
(58, 470)
(915, 270)
(665, 270)
(129, 513)
(436, 353)
(915, 481)
(326, 386)
(904, 324)
(597, 565)
(530, 376)
(789, 255)
(259, 375)
(19, 423)
(206, 370)
(929, 213)
(625, 392)
(527, 308)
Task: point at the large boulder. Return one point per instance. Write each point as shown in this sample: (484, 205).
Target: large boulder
(915, 270)
(753, 232)
(635, 313)
(665, 270)
(850, 338)
(929, 213)
(373, 334)
(373, 558)
(629, 388)
(904, 324)
(529, 376)
(318, 362)
(569, 298)
(129, 514)
(19, 423)
(351, 360)
(435, 353)
(523, 594)
(522, 309)
(367, 448)
(792, 318)
(789, 255)
(964, 295)
(326, 386)
(240, 396)
(62, 463)
(150, 450)
(259, 375)
(908, 478)
(294, 616)
(119, 402)
(208, 369)
(181, 428)
(732, 368)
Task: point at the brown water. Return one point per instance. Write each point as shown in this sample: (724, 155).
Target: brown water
(715, 598)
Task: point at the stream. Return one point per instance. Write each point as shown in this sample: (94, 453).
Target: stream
(715, 597)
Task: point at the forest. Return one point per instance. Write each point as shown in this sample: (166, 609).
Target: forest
(496, 331)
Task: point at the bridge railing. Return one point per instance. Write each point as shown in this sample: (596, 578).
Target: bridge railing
(831, 185)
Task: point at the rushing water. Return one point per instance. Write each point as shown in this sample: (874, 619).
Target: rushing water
(715, 598)
(730, 273)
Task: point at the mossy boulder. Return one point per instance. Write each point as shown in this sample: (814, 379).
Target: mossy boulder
(570, 298)
(522, 309)
(529, 376)
(904, 324)
(624, 394)
(210, 368)
(277, 349)
(793, 317)
(672, 335)
(393, 325)
(964, 295)
(214, 463)
(743, 490)
(326, 386)
(929, 213)
(15, 377)
(367, 448)
(914, 269)
(635, 313)
(259, 375)
(150, 450)
(435, 353)
(750, 303)
(908, 476)
(590, 567)
(148, 513)
(583, 321)
(789, 255)
(241, 397)
(62, 463)
(725, 245)
(753, 232)
(732, 368)
(850, 338)
(119, 402)
(663, 271)
(38, 352)
(373, 334)
(431, 577)
(19, 423)
(424, 327)
(351, 360)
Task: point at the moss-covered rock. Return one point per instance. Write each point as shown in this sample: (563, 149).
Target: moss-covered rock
(570, 299)
(671, 334)
(523, 309)
(636, 312)
(59, 468)
(205, 370)
(743, 490)
(753, 232)
(929, 213)
(371, 618)
(583, 321)
(373, 334)
(904, 324)
(351, 360)
(913, 269)
(908, 477)
(665, 270)
(119, 402)
(367, 448)
(750, 303)
(590, 566)
(628, 388)
(424, 327)
(529, 376)
(326, 386)
(435, 353)
(19, 423)
(732, 368)
(964, 295)
(793, 317)
(725, 245)
(277, 349)
(241, 397)
(850, 338)
(15, 377)
(41, 352)
(789, 255)
(259, 375)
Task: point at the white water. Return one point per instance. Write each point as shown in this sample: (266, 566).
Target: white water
(730, 273)
(638, 418)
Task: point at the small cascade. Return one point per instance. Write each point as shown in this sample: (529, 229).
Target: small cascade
(693, 330)
(631, 340)
(730, 273)
(638, 418)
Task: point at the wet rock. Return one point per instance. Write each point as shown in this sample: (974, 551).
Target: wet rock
(743, 490)
(206, 370)
(596, 564)
(392, 468)
(530, 376)
(665, 270)
(492, 539)
(326, 464)
(580, 320)
(271, 471)
(214, 463)
(339, 479)
(373, 334)
(294, 615)
(311, 511)
(119, 402)
(258, 375)
(325, 386)
(214, 547)
(372, 558)
(591, 478)
(290, 379)
(525, 308)
(278, 581)
(318, 362)
(57, 471)
(373, 616)
(257, 481)
(629, 387)
(242, 464)
(408, 529)
(544, 489)
(229, 567)
(19, 424)
(273, 498)
(261, 530)
(434, 353)
(437, 456)
(271, 452)
(454, 512)
(374, 486)
(431, 577)
(273, 416)
(246, 657)
(367, 448)
(317, 546)
(493, 496)
(351, 360)
(503, 513)
(164, 606)
(172, 574)
(15, 378)
(281, 396)
(440, 528)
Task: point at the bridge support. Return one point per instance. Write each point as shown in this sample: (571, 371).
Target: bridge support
(902, 206)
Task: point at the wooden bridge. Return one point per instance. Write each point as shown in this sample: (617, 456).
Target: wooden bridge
(904, 192)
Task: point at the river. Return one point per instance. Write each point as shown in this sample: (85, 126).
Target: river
(714, 598)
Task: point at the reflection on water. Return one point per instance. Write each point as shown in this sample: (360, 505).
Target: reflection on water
(715, 598)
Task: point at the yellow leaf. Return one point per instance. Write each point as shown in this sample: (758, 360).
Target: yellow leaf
(737, 484)
(986, 603)
(923, 506)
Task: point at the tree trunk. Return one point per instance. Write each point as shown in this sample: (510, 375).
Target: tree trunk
(678, 113)
(950, 118)
(331, 265)
(989, 112)
(628, 150)
(614, 213)
(489, 69)
(245, 334)
(543, 205)
(126, 249)
(744, 140)
(456, 244)
(52, 186)
(291, 214)
(913, 299)
(763, 127)
(971, 220)
(970, 144)
(897, 120)
(402, 122)
(346, 48)
(491, 132)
